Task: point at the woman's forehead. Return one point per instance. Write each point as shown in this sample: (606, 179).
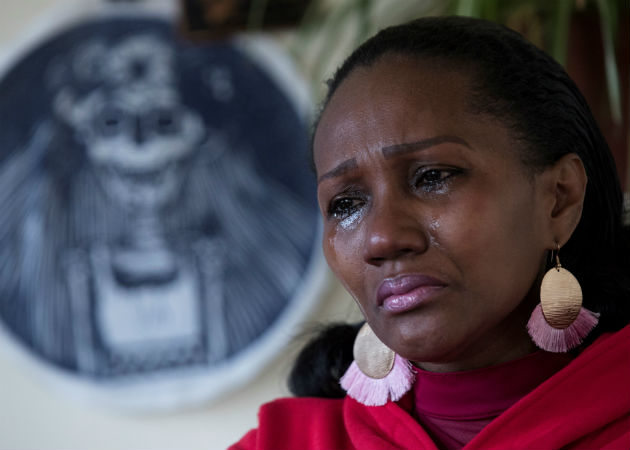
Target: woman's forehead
(397, 94)
(398, 80)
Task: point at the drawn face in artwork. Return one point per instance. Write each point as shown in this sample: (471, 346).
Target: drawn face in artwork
(155, 207)
(137, 139)
(137, 143)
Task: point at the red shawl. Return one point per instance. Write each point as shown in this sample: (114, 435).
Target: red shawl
(586, 405)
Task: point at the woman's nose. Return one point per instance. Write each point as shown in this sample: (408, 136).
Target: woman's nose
(394, 230)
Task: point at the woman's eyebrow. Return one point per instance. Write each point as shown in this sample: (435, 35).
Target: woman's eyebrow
(397, 149)
(393, 150)
(342, 168)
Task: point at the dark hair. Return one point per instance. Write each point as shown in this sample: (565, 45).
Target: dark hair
(533, 96)
(323, 361)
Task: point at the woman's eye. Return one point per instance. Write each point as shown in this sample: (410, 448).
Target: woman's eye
(341, 208)
(429, 179)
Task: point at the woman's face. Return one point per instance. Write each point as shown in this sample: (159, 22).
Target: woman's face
(431, 220)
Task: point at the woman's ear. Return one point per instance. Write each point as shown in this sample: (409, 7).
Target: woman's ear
(566, 186)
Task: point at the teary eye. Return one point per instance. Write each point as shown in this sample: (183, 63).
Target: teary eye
(430, 179)
(343, 207)
(433, 176)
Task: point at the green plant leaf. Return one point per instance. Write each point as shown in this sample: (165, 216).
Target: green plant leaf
(560, 32)
(608, 25)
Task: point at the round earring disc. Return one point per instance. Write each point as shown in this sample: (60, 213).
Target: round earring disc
(560, 297)
(373, 357)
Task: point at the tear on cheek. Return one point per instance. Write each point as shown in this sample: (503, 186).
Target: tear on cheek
(352, 221)
(434, 225)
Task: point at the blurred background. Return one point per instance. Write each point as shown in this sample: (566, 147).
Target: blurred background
(590, 37)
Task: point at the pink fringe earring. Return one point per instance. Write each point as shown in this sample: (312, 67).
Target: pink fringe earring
(559, 322)
(377, 374)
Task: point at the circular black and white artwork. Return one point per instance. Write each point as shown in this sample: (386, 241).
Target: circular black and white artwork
(158, 226)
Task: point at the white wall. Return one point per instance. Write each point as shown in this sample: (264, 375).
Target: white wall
(35, 416)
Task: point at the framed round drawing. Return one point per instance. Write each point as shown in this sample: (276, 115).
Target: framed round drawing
(159, 229)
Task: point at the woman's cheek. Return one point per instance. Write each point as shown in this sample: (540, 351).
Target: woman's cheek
(463, 221)
(343, 252)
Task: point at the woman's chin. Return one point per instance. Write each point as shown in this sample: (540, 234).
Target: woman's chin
(426, 338)
(430, 349)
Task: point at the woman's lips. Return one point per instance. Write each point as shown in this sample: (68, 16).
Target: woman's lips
(405, 292)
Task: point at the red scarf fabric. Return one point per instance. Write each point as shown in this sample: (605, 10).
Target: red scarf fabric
(586, 405)
(454, 407)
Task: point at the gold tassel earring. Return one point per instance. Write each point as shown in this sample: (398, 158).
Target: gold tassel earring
(377, 373)
(559, 322)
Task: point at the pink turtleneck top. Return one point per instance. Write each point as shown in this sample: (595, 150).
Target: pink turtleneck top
(453, 407)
